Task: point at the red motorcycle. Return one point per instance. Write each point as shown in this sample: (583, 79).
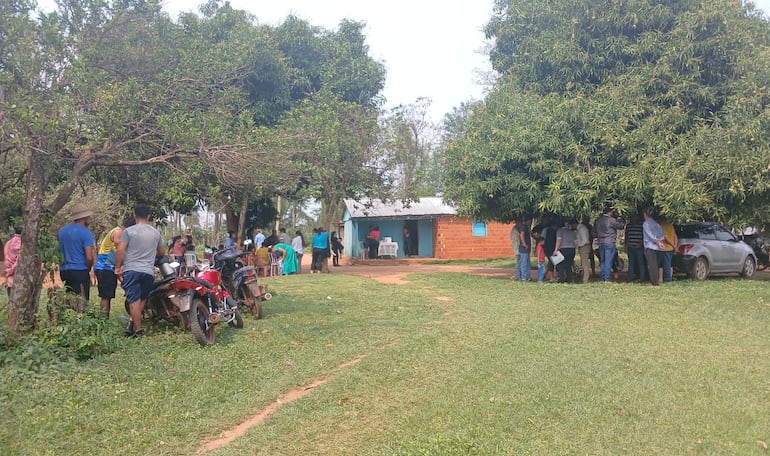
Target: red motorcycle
(185, 301)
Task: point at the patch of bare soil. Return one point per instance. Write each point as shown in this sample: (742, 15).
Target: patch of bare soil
(396, 273)
(229, 435)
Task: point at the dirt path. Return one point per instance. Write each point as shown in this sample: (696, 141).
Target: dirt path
(396, 273)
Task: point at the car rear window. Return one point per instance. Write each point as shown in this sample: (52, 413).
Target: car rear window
(695, 231)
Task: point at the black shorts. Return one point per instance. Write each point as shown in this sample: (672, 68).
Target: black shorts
(77, 282)
(107, 283)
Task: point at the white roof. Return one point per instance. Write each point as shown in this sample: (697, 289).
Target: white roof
(376, 208)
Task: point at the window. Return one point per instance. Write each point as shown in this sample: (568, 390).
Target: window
(479, 229)
(723, 234)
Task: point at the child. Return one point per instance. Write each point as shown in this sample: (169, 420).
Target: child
(540, 250)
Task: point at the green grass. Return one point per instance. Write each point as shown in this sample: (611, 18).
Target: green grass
(501, 368)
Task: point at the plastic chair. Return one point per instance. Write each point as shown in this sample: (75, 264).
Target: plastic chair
(276, 265)
(189, 263)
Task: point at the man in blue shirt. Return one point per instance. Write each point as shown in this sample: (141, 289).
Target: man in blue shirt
(230, 241)
(259, 239)
(653, 244)
(76, 244)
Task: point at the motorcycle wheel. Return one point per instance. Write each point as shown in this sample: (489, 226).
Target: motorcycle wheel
(253, 302)
(761, 267)
(198, 318)
(237, 323)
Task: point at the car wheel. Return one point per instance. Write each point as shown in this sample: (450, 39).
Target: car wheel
(749, 266)
(700, 269)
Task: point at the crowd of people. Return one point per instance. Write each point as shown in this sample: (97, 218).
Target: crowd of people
(288, 251)
(650, 245)
(127, 255)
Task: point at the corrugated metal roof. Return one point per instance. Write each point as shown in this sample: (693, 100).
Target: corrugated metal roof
(375, 208)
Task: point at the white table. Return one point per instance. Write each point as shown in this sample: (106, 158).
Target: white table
(388, 249)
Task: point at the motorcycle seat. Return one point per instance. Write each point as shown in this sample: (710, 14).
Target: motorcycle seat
(203, 282)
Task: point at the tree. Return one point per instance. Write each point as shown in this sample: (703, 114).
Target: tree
(408, 144)
(98, 84)
(632, 103)
(336, 139)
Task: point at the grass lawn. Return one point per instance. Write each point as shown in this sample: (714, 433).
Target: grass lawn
(450, 364)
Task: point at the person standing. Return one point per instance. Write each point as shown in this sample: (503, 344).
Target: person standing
(177, 249)
(259, 238)
(566, 242)
(585, 249)
(514, 235)
(549, 235)
(337, 247)
(284, 238)
(665, 273)
(298, 244)
(373, 242)
(635, 249)
(230, 241)
(407, 242)
(11, 252)
(76, 244)
(523, 261)
(135, 258)
(540, 252)
(320, 250)
(104, 268)
(653, 244)
(607, 226)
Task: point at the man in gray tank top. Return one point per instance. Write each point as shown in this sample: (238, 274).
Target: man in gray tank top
(135, 263)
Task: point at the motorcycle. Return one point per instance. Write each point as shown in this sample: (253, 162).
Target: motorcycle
(238, 281)
(759, 245)
(182, 300)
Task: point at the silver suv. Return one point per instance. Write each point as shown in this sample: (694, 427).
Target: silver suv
(707, 248)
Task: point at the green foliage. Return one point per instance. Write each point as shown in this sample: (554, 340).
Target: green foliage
(632, 103)
(65, 335)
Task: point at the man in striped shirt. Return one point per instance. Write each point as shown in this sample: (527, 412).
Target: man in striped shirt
(635, 249)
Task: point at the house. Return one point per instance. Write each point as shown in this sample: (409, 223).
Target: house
(436, 230)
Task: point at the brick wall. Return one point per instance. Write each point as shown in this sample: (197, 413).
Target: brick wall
(454, 240)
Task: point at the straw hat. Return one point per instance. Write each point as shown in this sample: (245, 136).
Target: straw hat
(79, 211)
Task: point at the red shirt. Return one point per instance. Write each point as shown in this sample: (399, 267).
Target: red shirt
(11, 251)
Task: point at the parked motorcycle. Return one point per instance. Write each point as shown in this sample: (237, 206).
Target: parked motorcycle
(759, 245)
(182, 300)
(239, 281)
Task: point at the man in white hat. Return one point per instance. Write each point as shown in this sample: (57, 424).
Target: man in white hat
(76, 244)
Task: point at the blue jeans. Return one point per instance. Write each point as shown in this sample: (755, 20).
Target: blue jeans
(524, 266)
(541, 271)
(607, 256)
(636, 264)
(665, 261)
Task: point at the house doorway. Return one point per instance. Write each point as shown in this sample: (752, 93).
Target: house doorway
(414, 249)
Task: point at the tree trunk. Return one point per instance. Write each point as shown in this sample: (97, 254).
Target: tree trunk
(232, 218)
(28, 283)
(242, 221)
(278, 213)
(329, 215)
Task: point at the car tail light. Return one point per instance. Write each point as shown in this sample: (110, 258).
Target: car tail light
(684, 249)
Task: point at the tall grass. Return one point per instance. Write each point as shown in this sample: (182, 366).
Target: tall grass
(452, 364)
